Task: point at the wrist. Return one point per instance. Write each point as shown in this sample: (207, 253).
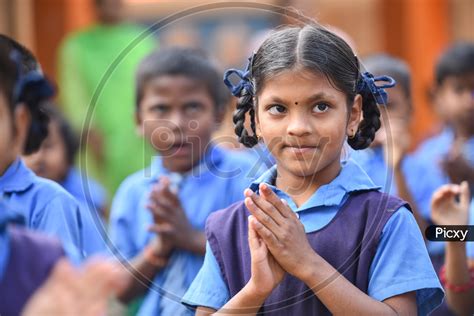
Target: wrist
(308, 273)
(255, 291)
(152, 257)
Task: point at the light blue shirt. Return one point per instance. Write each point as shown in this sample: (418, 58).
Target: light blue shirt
(45, 205)
(401, 263)
(91, 205)
(431, 154)
(218, 181)
(7, 216)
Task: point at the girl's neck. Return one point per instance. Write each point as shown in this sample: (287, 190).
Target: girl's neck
(301, 188)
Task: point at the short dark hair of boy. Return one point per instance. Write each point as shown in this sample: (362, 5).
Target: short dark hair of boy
(66, 132)
(179, 61)
(457, 60)
(385, 64)
(38, 130)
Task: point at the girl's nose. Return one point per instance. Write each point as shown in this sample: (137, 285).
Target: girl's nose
(299, 125)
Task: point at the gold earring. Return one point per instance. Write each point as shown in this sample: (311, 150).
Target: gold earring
(352, 136)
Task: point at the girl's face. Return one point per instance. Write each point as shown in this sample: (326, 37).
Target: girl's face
(304, 121)
(177, 116)
(50, 161)
(13, 130)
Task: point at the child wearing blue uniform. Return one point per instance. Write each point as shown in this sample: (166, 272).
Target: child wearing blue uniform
(447, 156)
(158, 214)
(55, 161)
(293, 246)
(452, 205)
(44, 204)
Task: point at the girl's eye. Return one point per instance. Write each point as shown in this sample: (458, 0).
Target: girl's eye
(320, 108)
(276, 109)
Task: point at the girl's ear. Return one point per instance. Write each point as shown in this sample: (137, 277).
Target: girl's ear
(355, 116)
(22, 123)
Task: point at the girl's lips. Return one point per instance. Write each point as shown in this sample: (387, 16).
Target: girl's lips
(299, 150)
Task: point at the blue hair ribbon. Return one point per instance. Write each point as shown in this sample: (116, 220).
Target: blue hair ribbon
(367, 83)
(33, 80)
(244, 82)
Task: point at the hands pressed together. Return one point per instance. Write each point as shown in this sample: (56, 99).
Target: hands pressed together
(277, 241)
(170, 222)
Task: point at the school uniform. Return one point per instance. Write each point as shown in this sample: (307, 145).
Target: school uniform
(418, 176)
(216, 182)
(45, 205)
(26, 260)
(92, 198)
(431, 154)
(336, 216)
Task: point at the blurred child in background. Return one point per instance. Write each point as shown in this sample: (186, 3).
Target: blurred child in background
(55, 160)
(180, 100)
(45, 205)
(449, 155)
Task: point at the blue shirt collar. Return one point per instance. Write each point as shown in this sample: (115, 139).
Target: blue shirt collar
(17, 178)
(210, 161)
(351, 178)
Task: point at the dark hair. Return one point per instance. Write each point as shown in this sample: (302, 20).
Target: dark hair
(10, 73)
(455, 61)
(190, 62)
(315, 48)
(385, 64)
(66, 132)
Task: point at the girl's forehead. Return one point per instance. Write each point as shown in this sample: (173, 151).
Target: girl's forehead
(302, 84)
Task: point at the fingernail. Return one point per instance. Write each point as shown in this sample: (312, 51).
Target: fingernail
(263, 186)
(248, 192)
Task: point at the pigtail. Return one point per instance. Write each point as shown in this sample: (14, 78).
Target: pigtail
(244, 105)
(245, 91)
(372, 95)
(369, 125)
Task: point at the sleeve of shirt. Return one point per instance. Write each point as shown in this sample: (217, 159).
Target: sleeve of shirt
(208, 288)
(422, 182)
(401, 264)
(61, 218)
(120, 226)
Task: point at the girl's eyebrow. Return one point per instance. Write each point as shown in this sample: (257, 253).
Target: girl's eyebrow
(320, 96)
(315, 97)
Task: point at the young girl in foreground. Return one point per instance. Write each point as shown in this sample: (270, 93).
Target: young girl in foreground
(314, 235)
